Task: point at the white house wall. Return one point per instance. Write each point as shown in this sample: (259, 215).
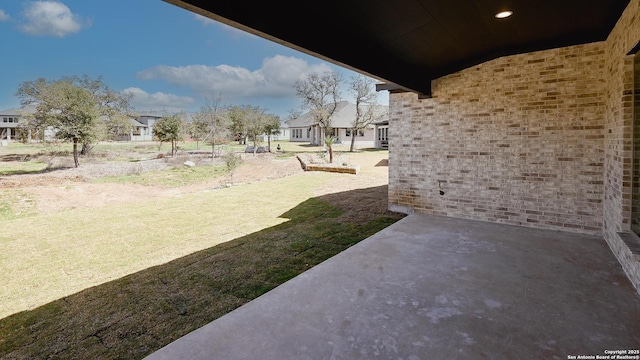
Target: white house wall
(300, 135)
(368, 138)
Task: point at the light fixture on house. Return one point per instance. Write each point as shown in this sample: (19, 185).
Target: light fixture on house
(504, 14)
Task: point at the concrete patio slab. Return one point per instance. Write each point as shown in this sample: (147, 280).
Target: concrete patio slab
(432, 287)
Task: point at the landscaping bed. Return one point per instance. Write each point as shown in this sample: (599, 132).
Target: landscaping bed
(313, 162)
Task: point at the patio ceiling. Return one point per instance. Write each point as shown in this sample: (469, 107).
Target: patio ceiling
(411, 42)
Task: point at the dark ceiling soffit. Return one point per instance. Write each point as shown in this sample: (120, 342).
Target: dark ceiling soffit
(423, 92)
(395, 88)
(406, 62)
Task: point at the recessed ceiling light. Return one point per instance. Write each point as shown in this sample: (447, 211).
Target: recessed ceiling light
(504, 14)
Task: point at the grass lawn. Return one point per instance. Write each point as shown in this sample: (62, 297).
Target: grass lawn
(15, 203)
(118, 282)
(21, 167)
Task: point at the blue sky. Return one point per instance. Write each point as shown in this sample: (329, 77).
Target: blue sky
(169, 58)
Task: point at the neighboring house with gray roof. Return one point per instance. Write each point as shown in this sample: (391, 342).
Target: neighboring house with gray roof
(142, 128)
(9, 128)
(149, 119)
(138, 132)
(10, 125)
(305, 129)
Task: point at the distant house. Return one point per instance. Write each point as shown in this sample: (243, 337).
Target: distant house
(283, 134)
(149, 119)
(10, 125)
(142, 128)
(9, 128)
(382, 134)
(138, 132)
(305, 129)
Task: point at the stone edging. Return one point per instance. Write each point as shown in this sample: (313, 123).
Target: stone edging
(308, 166)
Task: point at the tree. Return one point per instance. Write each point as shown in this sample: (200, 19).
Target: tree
(74, 107)
(238, 122)
(114, 110)
(251, 122)
(34, 125)
(256, 120)
(366, 105)
(271, 127)
(329, 141)
(169, 129)
(197, 131)
(232, 161)
(208, 124)
(320, 96)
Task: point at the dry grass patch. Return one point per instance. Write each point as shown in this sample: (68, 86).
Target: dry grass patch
(48, 257)
(135, 315)
(16, 204)
(120, 280)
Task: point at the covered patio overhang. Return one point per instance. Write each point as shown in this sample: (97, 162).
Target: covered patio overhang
(409, 43)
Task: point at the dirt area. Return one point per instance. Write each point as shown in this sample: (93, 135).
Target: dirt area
(71, 188)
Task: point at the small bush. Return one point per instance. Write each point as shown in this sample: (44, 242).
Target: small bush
(232, 161)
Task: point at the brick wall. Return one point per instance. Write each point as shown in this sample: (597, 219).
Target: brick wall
(618, 139)
(542, 139)
(517, 140)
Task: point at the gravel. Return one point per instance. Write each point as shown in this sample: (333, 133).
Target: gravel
(92, 171)
(61, 170)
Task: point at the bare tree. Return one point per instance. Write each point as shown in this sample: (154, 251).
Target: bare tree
(209, 123)
(367, 110)
(232, 161)
(320, 96)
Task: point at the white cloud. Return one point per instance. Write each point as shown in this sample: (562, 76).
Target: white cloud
(275, 79)
(3, 15)
(142, 100)
(51, 18)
